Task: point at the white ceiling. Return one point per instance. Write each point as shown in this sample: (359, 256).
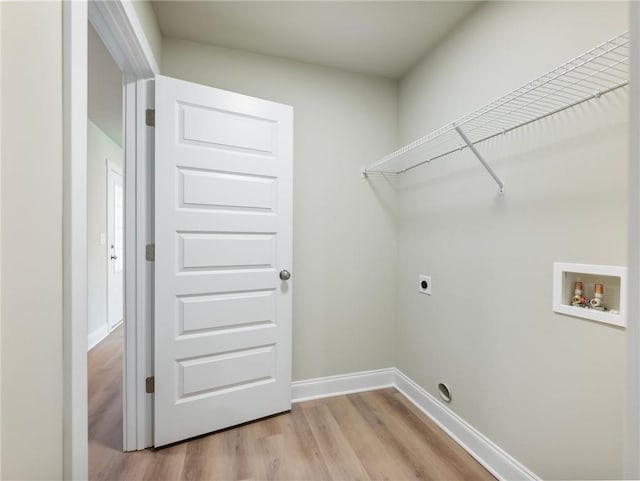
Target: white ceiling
(383, 38)
(105, 89)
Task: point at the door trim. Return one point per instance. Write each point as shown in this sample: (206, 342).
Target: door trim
(74, 232)
(121, 32)
(119, 28)
(118, 22)
(138, 353)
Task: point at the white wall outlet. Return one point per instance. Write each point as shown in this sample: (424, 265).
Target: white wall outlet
(424, 285)
(103, 238)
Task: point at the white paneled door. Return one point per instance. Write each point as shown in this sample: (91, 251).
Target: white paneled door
(223, 234)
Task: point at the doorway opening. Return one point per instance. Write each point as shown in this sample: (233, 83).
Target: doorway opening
(105, 252)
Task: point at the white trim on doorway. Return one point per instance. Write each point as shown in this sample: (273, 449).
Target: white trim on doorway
(119, 28)
(117, 24)
(75, 419)
(138, 281)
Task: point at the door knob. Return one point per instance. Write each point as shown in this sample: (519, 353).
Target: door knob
(285, 275)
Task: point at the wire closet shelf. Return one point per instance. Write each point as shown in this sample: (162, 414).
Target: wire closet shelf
(597, 72)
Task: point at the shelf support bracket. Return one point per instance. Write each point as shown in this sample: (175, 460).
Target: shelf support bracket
(480, 158)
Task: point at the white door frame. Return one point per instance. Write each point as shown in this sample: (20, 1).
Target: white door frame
(74, 257)
(119, 28)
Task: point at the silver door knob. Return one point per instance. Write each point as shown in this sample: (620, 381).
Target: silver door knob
(285, 275)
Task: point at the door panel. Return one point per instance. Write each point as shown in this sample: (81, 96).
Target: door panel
(223, 233)
(226, 311)
(217, 191)
(211, 251)
(208, 374)
(224, 129)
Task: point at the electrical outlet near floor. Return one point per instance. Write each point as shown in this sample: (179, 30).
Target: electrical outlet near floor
(424, 285)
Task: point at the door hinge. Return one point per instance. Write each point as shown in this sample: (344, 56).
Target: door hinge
(150, 385)
(150, 252)
(150, 117)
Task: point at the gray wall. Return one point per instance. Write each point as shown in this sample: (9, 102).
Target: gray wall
(31, 226)
(344, 241)
(100, 148)
(547, 388)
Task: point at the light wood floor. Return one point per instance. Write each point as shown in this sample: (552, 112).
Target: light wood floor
(372, 435)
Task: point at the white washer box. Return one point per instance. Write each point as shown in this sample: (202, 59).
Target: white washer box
(613, 279)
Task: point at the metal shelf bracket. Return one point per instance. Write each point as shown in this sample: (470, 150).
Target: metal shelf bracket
(480, 158)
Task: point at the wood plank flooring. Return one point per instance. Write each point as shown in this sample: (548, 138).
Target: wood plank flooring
(374, 435)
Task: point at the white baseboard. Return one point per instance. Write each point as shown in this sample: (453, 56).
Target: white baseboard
(342, 384)
(96, 336)
(492, 457)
